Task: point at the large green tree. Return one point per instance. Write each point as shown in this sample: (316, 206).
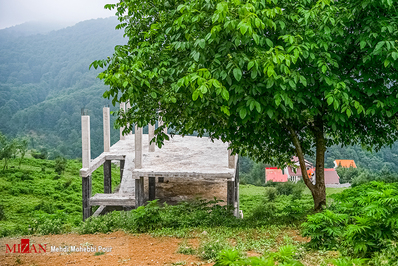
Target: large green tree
(275, 78)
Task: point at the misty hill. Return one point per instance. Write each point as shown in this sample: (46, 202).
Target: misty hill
(45, 81)
(31, 28)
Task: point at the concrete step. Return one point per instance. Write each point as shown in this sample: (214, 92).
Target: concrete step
(112, 200)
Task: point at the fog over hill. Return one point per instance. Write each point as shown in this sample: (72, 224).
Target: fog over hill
(45, 81)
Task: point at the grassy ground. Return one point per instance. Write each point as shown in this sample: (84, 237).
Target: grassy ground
(36, 190)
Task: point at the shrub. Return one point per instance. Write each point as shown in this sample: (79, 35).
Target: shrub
(50, 223)
(2, 213)
(285, 256)
(210, 250)
(387, 256)
(145, 218)
(361, 220)
(324, 228)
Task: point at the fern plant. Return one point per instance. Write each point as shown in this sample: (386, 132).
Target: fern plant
(360, 222)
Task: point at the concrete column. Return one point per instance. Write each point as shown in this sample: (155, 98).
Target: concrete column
(139, 192)
(108, 177)
(138, 147)
(151, 134)
(152, 187)
(122, 107)
(128, 106)
(107, 129)
(231, 159)
(86, 194)
(121, 170)
(231, 193)
(86, 149)
(236, 204)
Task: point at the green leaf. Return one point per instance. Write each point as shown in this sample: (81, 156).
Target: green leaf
(330, 100)
(270, 83)
(243, 28)
(270, 113)
(225, 94)
(394, 55)
(153, 95)
(202, 43)
(225, 109)
(195, 95)
(292, 84)
(379, 46)
(269, 42)
(237, 73)
(348, 112)
(125, 84)
(242, 113)
(256, 38)
(258, 106)
(250, 65)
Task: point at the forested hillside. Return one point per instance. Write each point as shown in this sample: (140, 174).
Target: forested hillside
(45, 81)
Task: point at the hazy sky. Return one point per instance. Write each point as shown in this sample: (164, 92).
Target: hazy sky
(14, 12)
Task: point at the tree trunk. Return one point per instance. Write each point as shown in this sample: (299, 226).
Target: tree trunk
(318, 190)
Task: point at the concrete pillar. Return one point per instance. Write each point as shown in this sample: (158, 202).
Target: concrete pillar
(121, 170)
(236, 204)
(139, 192)
(151, 134)
(231, 193)
(107, 177)
(231, 159)
(107, 129)
(128, 106)
(138, 147)
(86, 158)
(86, 194)
(152, 187)
(86, 149)
(122, 107)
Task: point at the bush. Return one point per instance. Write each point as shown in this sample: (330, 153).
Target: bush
(40, 155)
(386, 257)
(2, 213)
(210, 250)
(285, 256)
(152, 216)
(360, 222)
(45, 224)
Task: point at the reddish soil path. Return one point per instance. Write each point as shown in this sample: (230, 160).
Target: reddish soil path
(127, 249)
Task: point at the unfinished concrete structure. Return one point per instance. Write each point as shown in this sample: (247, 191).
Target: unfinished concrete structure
(185, 168)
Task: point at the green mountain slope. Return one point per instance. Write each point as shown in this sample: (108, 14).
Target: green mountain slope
(45, 81)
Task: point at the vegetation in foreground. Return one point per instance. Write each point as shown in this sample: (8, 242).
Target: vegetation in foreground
(358, 228)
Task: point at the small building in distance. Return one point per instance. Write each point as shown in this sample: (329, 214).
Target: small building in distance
(344, 163)
(275, 174)
(331, 176)
(294, 174)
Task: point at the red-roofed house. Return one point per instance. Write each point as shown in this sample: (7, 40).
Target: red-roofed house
(274, 174)
(344, 163)
(331, 176)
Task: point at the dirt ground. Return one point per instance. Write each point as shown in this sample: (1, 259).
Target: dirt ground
(126, 249)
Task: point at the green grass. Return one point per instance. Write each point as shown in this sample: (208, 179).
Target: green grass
(35, 190)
